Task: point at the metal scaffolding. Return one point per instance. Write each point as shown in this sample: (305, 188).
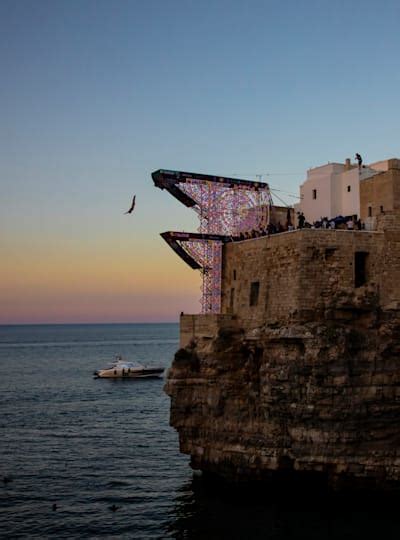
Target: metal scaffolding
(226, 207)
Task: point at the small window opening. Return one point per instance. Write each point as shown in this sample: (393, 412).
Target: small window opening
(254, 290)
(369, 211)
(381, 209)
(314, 193)
(349, 188)
(329, 253)
(360, 268)
(234, 274)
(232, 299)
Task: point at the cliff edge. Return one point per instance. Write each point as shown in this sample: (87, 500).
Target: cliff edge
(300, 372)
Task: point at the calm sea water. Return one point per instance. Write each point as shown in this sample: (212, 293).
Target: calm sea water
(86, 444)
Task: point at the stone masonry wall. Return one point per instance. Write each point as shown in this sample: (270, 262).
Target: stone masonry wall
(381, 190)
(389, 263)
(274, 263)
(307, 381)
(205, 326)
(327, 269)
(298, 272)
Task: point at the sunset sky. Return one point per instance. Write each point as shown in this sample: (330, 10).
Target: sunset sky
(95, 95)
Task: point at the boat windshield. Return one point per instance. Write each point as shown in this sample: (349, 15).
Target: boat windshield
(120, 363)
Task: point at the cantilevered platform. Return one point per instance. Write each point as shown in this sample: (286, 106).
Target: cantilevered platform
(174, 240)
(170, 181)
(225, 207)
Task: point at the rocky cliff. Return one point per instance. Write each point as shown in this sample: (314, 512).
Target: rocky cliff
(319, 396)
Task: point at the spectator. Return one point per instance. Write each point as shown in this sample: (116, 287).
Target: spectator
(301, 220)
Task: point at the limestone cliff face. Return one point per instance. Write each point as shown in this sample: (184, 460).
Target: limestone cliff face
(314, 396)
(301, 370)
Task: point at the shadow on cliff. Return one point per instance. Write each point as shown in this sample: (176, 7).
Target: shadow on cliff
(210, 509)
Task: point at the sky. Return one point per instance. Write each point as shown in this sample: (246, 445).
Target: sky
(95, 95)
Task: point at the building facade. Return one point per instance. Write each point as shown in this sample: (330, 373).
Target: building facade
(333, 190)
(380, 193)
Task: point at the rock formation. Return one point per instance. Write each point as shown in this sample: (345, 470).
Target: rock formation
(310, 386)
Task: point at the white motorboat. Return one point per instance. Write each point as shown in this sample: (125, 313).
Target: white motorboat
(121, 369)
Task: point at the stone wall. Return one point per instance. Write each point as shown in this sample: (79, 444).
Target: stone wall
(271, 261)
(389, 263)
(204, 326)
(298, 272)
(327, 269)
(306, 381)
(381, 192)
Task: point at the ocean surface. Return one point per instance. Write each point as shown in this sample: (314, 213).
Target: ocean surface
(86, 444)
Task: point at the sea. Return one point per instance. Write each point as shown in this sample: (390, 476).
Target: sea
(93, 458)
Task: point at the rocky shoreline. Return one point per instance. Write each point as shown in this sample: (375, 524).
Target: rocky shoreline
(310, 399)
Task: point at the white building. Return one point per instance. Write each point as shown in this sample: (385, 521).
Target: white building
(333, 190)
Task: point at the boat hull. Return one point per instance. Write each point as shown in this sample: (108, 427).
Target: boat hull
(155, 373)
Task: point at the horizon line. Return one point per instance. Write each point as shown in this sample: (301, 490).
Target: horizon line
(83, 323)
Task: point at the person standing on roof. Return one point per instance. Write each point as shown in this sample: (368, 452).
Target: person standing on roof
(359, 160)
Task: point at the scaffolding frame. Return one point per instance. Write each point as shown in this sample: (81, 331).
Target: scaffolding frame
(226, 207)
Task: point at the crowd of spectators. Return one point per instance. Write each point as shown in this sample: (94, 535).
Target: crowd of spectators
(264, 230)
(339, 222)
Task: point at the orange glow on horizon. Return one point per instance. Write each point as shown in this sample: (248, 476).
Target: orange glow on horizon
(112, 284)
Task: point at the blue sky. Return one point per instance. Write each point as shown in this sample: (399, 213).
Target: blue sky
(96, 95)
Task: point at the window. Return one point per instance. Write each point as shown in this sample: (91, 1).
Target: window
(232, 300)
(314, 193)
(360, 268)
(254, 290)
(329, 253)
(234, 275)
(348, 189)
(381, 209)
(369, 211)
